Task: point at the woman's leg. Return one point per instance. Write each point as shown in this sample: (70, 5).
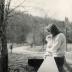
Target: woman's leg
(59, 62)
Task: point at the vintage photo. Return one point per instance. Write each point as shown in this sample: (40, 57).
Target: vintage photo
(35, 35)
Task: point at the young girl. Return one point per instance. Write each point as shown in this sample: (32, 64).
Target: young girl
(49, 45)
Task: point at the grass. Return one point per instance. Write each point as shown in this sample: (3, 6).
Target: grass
(69, 47)
(20, 61)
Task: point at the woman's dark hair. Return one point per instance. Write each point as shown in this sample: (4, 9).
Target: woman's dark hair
(53, 29)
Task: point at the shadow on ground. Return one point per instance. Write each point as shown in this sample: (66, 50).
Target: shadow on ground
(67, 67)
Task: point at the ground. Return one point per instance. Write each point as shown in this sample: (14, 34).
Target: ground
(19, 62)
(18, 59)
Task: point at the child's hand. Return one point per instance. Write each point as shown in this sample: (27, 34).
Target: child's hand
(47, 54)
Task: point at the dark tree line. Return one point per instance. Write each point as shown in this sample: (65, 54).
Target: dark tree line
(24, 27)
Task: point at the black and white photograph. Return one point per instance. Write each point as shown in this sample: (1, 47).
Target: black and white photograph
(35, 35)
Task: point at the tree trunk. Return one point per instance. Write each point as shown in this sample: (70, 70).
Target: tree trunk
(4, 52)
(4, 55)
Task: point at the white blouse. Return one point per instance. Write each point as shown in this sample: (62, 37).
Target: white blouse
(57, 45)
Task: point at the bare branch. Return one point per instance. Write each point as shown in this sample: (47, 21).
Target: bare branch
(17, 7)
(9, 4)
(14, 14)
(7, 8)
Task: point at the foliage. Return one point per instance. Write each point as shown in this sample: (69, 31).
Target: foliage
(23, 27)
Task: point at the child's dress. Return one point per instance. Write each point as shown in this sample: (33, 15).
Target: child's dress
(49, 44)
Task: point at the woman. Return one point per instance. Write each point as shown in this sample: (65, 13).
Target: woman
(56, 45)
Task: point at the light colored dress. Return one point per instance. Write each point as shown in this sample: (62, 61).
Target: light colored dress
(49, 45)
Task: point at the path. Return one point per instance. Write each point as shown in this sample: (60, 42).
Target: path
(24, 50)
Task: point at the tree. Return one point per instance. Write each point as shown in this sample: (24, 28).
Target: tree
(4, 15)
(4, 51)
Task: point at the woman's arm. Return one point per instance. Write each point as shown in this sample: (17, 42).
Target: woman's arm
(57, 43)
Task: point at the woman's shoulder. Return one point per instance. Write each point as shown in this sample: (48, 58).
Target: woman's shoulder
(61, 35)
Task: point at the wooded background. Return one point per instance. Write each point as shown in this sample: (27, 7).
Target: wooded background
(25, 28)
